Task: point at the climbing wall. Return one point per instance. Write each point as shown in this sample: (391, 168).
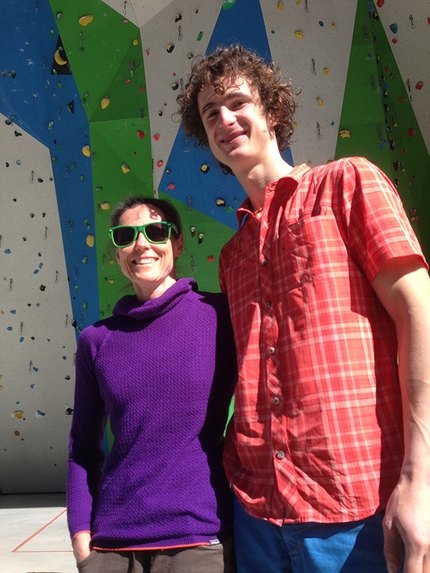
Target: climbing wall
(88, 116)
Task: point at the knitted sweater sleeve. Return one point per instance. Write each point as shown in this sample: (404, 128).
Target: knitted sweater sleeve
(86, 457)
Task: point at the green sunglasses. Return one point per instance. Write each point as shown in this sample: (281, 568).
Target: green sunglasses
(156, 233)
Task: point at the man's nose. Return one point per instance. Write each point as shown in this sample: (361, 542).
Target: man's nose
(226, 116)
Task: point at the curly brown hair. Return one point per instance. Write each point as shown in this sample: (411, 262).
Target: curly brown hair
(276, 95)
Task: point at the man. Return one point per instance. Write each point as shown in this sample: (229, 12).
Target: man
(330, 302)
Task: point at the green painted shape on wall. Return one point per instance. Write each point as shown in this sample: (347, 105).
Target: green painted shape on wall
(378, 114)
(103, 56)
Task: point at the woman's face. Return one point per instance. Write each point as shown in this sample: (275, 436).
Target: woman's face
(150, 267)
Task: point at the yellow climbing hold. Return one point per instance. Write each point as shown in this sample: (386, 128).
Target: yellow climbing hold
(85, 20)
(57, 57)
(125, 168)
(280, 5)
(105, 102)
(299, 34)
(326, 71)
(90, 240)
(344, 133)
(135, 42)
(86, 150)
(105, 206)
(320, 101)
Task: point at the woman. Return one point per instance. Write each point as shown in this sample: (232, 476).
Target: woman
(163, 369)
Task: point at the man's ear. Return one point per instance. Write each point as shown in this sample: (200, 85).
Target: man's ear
(272, 121)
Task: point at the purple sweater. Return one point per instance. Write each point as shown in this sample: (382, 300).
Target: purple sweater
(164, 372)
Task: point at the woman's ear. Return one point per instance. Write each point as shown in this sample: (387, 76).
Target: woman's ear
(178, 246)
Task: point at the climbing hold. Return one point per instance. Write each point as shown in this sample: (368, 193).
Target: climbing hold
(280, 5)
(190, 55)
(200, 238)
(105, 206)
(90, 240)
(344, 133)
(419, 85)
(200, 36)
(326, 71)
(170, 48)
(211, 258)
(228, 4)
(18, 414)
(320, 101)
(204, 168)
(140, 134)
(135, 42)
(59, 16)
(394, 28)
(171, 186)
(380, 3)
(86, 151)
(175, 86)
(125, 168)
(58, 59)
(220, 203)
(178, 17)
(411, 132)
(160, 163)
(299, 34)
(85, 20)
(156, 136)
(193, 231)
(105, 102)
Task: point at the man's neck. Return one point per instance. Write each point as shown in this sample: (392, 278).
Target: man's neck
(255, 181)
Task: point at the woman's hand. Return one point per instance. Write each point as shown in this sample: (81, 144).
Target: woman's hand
(81, 546)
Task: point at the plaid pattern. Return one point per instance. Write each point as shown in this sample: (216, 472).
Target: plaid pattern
(317, 431)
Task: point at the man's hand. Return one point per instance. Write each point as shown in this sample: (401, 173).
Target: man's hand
(407, 517)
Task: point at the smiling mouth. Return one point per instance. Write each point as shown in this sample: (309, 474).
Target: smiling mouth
(232, 137)
(142, 262)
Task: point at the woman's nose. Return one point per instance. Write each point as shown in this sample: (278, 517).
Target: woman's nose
(141, 241)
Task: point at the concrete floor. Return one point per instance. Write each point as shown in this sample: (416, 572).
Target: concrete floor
(33, 534)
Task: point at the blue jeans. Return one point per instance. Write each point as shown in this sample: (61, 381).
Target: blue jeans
(355, 547)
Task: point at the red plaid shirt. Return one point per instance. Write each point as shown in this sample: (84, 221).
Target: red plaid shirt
(317, 430)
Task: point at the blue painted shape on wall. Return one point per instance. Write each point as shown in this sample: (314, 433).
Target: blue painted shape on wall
(49, 108)
(183, 170)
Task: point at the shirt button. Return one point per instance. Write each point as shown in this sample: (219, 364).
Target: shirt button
(271, 350)
(276, 400)
(280, 455)
(268, 304)
(264, 262)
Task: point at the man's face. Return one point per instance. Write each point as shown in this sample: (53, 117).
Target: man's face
(238, 130)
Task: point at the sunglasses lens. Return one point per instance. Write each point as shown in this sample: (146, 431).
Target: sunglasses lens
(157, 233)
(123, 236)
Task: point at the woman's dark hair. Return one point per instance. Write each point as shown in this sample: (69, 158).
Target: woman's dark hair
(170, 213)
(276, 95)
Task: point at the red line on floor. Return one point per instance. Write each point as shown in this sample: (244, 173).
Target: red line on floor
(37, 532)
